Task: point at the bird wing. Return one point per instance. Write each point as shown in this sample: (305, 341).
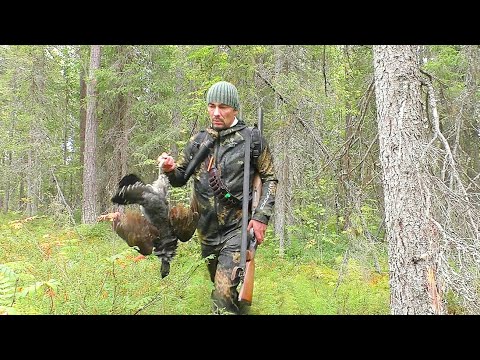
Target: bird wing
(152, 199)
(132, 190)
(129, 191)
(184, 221)
(137, 231)
(132, 227)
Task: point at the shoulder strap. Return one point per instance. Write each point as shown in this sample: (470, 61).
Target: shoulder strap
(256, 144)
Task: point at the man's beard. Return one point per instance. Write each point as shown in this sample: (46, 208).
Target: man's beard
(218, 127)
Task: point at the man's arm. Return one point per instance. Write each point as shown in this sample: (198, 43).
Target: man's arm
(179, 173)
(175, 171)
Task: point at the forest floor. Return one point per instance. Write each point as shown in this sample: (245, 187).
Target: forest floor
(50, 268)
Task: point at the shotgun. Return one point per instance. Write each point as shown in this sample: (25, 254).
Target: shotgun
(246, 291)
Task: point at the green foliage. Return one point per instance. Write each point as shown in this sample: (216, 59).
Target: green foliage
(89, 232)
(367, 216)
(181, 194)
(454, 306)
(315, 234)
(149, 99)
(11, 289)
(41, 85)
(50, 285)
(8, 280)
(308, 288)
(97, 273)
(447, 63)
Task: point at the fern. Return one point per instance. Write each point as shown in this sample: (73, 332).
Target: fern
(34, 288)
(8, 281)
(9, 292)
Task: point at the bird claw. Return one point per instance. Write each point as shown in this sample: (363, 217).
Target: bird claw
(107, 217)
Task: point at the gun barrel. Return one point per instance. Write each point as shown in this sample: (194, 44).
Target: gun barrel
(202, 153)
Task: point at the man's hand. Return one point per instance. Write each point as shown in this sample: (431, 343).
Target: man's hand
(259, 229)
(166, 162)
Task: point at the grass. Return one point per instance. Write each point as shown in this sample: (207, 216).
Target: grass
(90, 270)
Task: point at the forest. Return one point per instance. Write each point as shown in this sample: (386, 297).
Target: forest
(375, 150)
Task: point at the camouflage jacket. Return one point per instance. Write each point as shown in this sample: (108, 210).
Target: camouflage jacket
(217, 219)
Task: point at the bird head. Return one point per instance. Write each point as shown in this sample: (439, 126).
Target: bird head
(162, 183)
(161, 160)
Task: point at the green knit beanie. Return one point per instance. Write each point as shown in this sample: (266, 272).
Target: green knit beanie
(225, 93)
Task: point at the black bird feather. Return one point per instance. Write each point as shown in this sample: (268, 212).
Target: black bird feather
(153, 202)
(171, 224)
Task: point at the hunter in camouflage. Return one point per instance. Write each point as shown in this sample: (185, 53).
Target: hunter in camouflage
(220, 224)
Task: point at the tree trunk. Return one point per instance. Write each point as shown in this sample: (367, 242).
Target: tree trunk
(283, 209)
(83, 109)
(66, 129)
(344, 178)
(124, 121)
(31, 184)
(89, 205)
(284, 189)
(8, 165)
(21, 195)
(36, 134)
(412, 236)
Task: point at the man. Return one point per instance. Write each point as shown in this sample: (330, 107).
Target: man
(220, 225)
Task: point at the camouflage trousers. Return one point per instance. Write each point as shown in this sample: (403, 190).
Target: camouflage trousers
(226, 258)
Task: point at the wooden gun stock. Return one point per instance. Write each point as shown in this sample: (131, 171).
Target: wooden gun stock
(246, 291)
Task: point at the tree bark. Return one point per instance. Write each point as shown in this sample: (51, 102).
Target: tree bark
(412, 236)
(83, 108)
(8, 164)
(344, 179)
(36, 135)
(282, 157)
(89, 205)
(31, 183)
(283, 196)
(123, 118)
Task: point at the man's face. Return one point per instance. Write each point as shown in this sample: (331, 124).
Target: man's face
(221, 115)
